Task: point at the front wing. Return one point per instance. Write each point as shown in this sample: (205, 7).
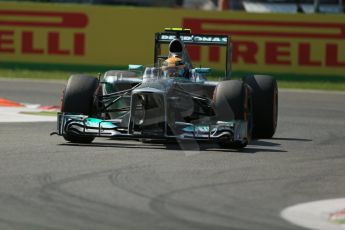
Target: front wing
(77, 124)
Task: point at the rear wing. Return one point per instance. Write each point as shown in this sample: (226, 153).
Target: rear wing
(194, 39)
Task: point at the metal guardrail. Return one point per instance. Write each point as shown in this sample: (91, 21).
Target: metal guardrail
(167, 3)
(292, 6)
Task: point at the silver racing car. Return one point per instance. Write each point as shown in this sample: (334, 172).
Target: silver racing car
(170, 100)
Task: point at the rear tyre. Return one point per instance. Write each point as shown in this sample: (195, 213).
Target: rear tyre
(232, 102)
(78, 97)
(265, 105)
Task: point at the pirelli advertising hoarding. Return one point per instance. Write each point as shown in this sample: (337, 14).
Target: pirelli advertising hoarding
(117, 36)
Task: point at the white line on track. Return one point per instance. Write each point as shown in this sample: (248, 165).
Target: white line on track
(315, 215)
(13, 114)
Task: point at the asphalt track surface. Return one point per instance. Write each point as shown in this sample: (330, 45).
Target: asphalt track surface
(46, 183)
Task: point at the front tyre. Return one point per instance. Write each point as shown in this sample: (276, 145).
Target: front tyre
(78, 97)
(232, 102)
(265, 105)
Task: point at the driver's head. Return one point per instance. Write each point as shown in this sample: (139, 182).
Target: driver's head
(174, 67)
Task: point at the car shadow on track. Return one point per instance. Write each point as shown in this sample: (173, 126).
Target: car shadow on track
(254, 147)
(291, 139)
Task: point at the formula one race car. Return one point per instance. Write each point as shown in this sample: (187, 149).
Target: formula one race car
(170, 100)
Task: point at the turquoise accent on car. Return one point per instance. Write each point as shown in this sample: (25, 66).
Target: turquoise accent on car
(135, 67)
(95, 122)
(202, 70)
(197, 128)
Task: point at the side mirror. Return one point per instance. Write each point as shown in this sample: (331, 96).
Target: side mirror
(199, 74)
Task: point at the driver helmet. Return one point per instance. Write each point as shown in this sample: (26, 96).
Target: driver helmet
(175, 67)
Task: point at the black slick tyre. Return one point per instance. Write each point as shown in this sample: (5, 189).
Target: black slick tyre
(265, 105)
(232, 102)
(78, 97)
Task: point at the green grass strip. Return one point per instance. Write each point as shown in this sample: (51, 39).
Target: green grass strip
(342, 221)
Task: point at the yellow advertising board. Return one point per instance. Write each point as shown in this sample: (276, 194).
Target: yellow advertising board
(117, 36)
